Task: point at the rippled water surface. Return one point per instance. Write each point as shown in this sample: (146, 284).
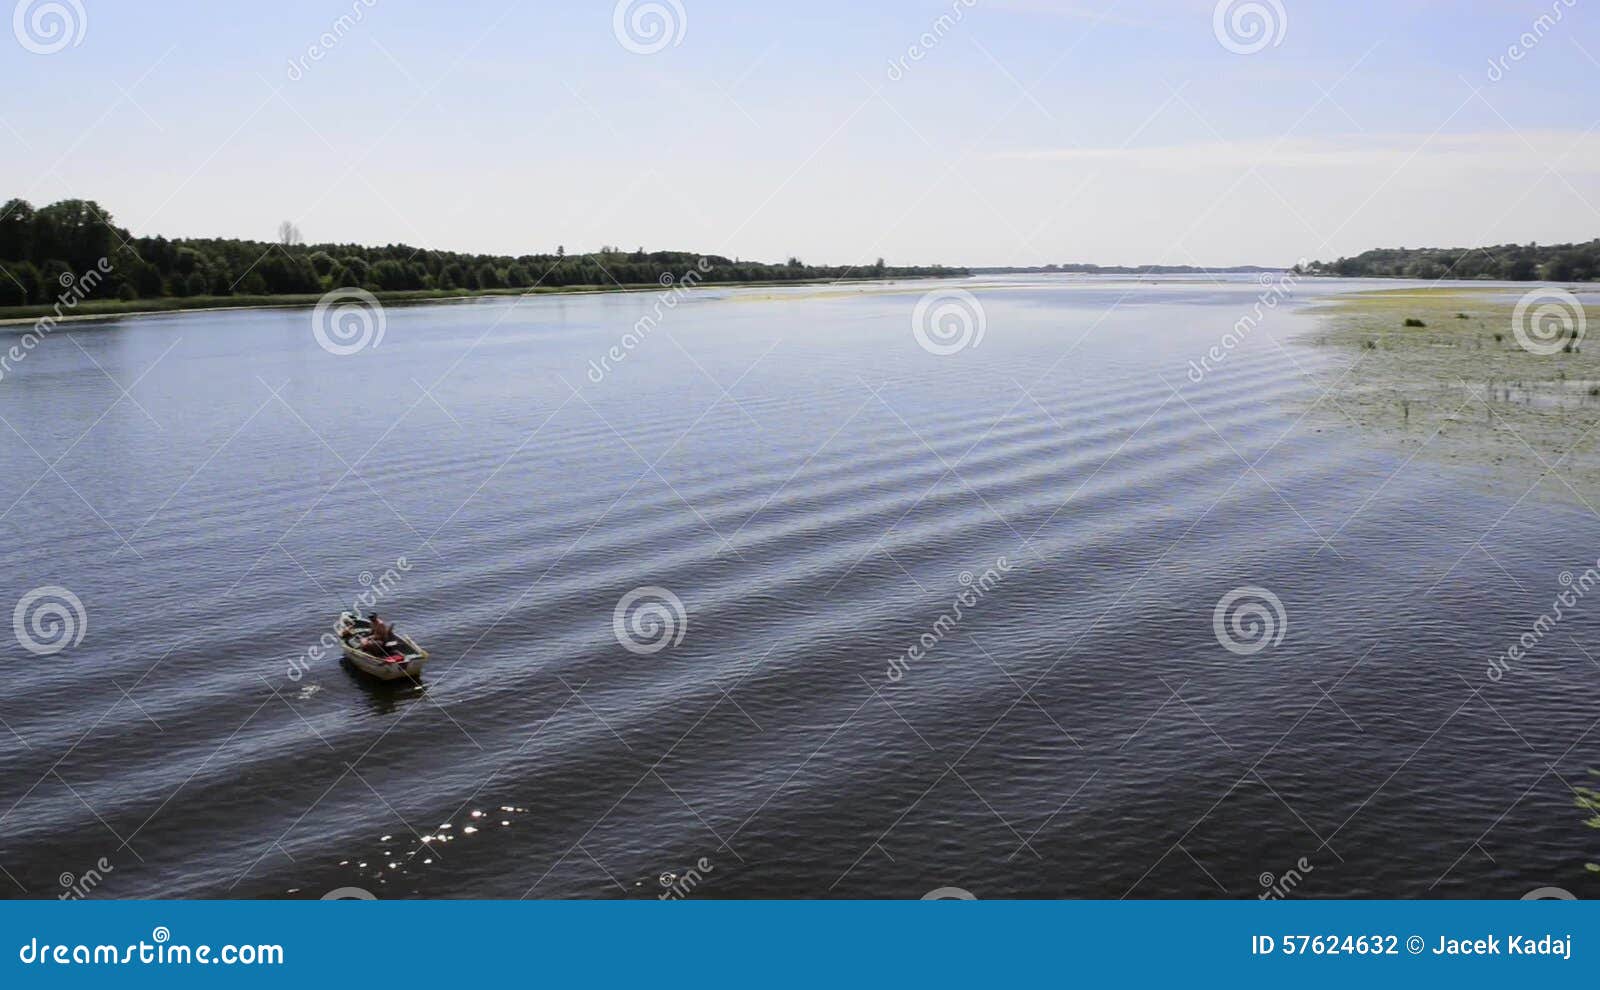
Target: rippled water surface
(1048, 519)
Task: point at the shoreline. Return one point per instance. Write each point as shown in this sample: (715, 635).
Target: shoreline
(205, 304)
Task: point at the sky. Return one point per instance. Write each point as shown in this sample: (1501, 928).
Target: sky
(961, 132)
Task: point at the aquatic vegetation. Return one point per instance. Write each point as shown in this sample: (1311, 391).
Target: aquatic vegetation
(1524, 409)
(1589, 800)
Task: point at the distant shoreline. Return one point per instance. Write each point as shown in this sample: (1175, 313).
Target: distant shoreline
(1453, 282)
(111, 309)
(1501, 262)
(1128, 270)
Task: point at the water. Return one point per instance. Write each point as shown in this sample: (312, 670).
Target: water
(811, 485)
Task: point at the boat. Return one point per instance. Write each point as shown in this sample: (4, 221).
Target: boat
(399, 657)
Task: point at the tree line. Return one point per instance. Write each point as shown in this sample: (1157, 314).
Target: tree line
(44, 248)
(1507, 262)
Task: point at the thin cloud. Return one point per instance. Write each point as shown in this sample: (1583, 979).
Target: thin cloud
(1566, 151)
(1104, 13)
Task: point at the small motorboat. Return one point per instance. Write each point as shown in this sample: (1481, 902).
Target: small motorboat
(390, 661)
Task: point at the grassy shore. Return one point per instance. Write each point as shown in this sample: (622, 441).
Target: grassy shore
(96, 309)
(1442, 371)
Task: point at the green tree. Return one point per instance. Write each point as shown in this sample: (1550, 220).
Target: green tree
(80, 232)
(19, 284)
(393, 276)
(16, 230)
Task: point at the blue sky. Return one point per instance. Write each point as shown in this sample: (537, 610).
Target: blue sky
(1030, 131)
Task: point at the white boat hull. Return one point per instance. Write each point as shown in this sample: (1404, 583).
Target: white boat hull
(383, 670)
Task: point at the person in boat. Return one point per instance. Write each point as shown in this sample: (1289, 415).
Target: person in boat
(382, 632)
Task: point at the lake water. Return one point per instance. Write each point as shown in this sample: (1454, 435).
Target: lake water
(803, 491)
